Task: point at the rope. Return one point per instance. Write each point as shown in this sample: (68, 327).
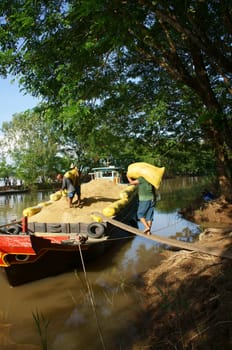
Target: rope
(12, 223)
(91, 297)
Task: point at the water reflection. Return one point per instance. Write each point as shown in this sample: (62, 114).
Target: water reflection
(179, 192)
(65, 302)
(12, 205)
(111, 317)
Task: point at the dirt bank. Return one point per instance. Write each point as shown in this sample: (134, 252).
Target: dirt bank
(215, 213)
(188, 297)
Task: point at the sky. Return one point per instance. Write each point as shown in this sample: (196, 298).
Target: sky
(13, 101)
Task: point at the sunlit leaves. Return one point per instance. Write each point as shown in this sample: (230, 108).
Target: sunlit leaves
(31, 145)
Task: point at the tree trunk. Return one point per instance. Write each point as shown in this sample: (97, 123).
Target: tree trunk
(216, 137)
(216, 126)
(224, 179)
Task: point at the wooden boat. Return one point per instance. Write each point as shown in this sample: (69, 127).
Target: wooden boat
(31, 251)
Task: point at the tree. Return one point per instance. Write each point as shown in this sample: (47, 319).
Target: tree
(30, 143)
(102, 52)
(6, 170)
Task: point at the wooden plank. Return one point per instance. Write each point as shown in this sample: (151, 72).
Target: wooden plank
(169, 241)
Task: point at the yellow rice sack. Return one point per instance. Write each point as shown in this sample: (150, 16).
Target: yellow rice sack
(109, 211)
(31, 211)
(150, 173)
(96, 218)
(115, 207)
(44, 204)
(128, 192)
(64, 193)
(55, 196)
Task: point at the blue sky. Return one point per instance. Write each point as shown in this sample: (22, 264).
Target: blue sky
(12, 100)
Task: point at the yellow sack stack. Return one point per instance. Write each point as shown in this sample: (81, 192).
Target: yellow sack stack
(150, 173)
(128, 192)
(125, 196)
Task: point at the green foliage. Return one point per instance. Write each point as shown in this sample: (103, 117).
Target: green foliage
(128, 80)
(30, 143)
(6, 170)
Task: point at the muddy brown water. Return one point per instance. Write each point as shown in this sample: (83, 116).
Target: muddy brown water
(100, 308)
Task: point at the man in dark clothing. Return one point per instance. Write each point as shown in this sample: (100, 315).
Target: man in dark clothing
(71, 182)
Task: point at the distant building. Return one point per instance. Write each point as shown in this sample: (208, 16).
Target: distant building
(110, 173)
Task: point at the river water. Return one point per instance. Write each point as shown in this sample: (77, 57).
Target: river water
(100, 308)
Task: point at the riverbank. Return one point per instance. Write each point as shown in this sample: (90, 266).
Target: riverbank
(5, 190)
(187, 299)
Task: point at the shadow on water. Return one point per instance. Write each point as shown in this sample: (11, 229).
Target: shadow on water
(109, 320)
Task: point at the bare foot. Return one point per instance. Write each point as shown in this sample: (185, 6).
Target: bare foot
(147, 231)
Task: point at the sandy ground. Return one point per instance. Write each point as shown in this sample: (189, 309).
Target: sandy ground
(96, 195)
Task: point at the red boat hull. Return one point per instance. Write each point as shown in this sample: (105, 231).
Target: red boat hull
(51, 261)
(57, 248)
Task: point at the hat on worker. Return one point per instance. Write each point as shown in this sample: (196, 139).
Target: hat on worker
(72, 166)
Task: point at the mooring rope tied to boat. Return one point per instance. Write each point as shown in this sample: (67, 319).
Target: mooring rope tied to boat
(91, 297)
(11, 223)
(167, 226)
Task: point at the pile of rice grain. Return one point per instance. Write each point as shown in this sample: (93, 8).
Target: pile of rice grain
(95, 195)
